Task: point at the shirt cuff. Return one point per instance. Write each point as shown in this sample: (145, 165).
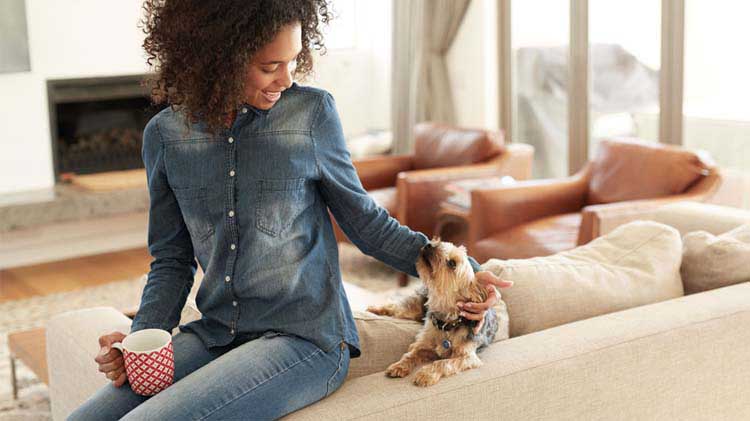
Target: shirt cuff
(474, 265)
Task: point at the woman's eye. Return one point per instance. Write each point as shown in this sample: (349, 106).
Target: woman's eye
(268, 70)
(452, 264)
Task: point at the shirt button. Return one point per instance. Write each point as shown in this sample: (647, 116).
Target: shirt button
(231, 213)
(234, 303)
(244, 110)
(231, 173)
(230, 140)
(232, 246)
(227, 279)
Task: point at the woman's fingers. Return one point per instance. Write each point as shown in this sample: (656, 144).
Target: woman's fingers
(115, 374)
(112, 366)
(120, 380)
(472, 307)
(478, 327)
(478, 317)
(475, 307)
(472, 316)
(486, 277)
(108, 356)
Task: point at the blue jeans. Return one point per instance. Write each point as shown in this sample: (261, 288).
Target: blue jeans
(261, 379)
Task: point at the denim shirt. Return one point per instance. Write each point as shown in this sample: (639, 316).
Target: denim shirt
(251, 206)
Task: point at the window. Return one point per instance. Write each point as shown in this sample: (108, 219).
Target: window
(717, 81)
(624, 61)
(539, 44)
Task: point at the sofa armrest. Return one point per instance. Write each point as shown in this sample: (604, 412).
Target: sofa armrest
(495, 210)
(420, 192)
(684, 358)
(381, 171)
(685, 216)
(72, 344)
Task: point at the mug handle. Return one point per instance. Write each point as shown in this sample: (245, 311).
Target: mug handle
(118, 345)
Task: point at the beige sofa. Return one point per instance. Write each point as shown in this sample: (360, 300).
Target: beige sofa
(683, 358)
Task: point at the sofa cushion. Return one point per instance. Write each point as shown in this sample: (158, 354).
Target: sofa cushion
(439, 145)
(630, 169)
(711, 261)
(636, 264)
(698, 216)
(540, 237)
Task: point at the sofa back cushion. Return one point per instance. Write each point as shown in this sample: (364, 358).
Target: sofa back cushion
(440, 145)
(636, 264)
(710, 261)
(631, 169)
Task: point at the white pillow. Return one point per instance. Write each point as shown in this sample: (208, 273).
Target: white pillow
(638, 263)
(711, 261)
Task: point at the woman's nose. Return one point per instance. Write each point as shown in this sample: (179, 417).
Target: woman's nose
(286, 80)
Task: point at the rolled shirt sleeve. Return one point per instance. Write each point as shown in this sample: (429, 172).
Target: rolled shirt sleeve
(368, 225)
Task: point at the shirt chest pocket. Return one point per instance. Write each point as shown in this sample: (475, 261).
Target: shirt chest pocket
(280, 203)
(193, 203)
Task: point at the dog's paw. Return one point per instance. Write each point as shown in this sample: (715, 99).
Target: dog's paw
(426, 377)
(398, 369)
(381, 310)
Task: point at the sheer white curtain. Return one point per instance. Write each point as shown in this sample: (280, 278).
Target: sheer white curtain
(423, 32)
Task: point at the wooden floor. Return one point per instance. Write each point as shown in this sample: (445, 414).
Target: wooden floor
(67, 275)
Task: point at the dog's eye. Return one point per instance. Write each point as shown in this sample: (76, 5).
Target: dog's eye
(451, 263)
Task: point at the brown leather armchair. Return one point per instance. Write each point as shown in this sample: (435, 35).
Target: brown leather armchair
(543, 217)
(410, 187)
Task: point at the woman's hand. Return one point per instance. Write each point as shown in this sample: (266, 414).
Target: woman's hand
(110, 359)
(476, 311)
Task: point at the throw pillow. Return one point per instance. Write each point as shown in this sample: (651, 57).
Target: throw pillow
(439, 145)
(636, 264)
(631, 169)
(711, 261)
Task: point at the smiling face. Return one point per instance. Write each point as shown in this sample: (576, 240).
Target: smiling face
(271, 68)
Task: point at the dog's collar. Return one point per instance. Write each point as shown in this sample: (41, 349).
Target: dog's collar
(448, 326)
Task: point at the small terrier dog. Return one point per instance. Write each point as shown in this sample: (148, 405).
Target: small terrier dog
(446, 340)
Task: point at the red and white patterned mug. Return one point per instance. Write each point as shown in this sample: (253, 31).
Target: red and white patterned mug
(149, 360)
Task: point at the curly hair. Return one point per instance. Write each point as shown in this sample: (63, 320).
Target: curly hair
(200, 50)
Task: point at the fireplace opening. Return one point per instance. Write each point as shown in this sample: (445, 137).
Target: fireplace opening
(97, 123)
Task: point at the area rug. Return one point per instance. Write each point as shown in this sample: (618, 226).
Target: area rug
(33, 397)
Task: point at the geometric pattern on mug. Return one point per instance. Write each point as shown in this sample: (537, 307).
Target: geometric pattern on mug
(149, 374)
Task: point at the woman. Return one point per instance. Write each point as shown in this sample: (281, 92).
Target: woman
(241, 171)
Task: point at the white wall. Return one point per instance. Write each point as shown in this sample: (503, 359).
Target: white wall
(66, 39)
(90, 38)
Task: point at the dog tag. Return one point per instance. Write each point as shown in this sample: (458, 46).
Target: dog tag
(446, 343)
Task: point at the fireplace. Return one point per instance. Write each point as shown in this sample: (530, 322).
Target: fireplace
(97, 124)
